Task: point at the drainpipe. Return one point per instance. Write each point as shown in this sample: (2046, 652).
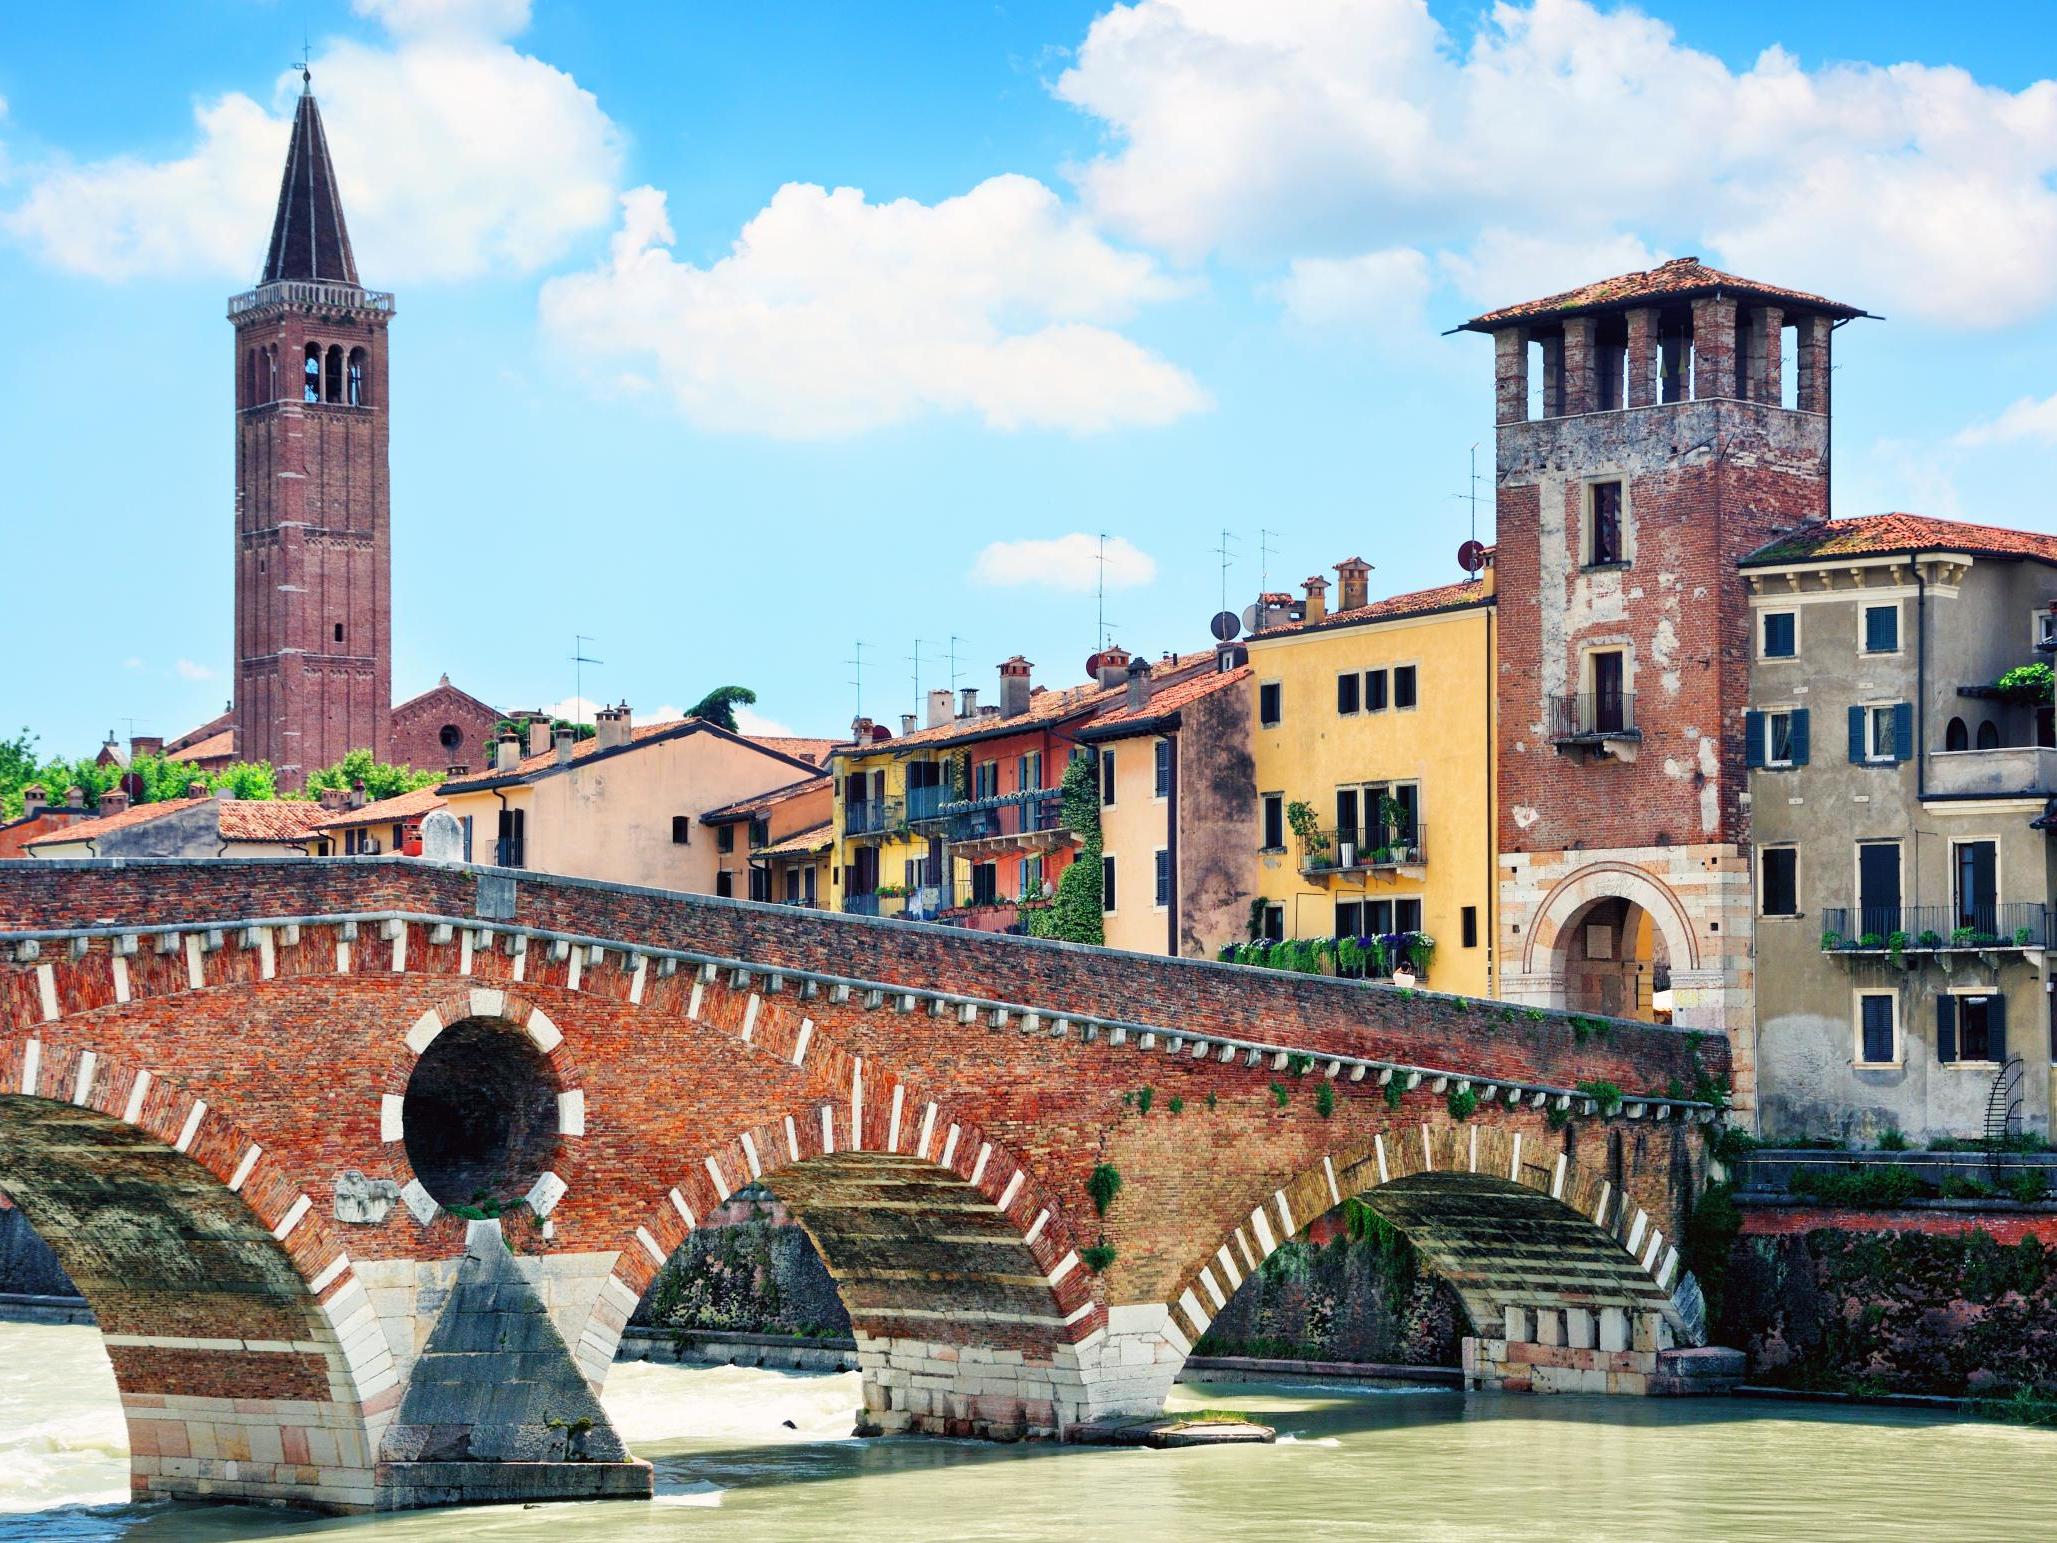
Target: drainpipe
(1171, 847)
(1492, 929)
(496, 840)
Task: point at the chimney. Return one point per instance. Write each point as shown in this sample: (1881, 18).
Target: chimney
(1317, 598)
(334, 800)
(145, 744)
(539, 736)
(75, 798)
(1355, 574)
(1014, 687)
(357, 794)
(1113, 665)
(613, 725)
(563, 739)
(33, 800)
(906, 724)
(507, 752)
(1138, 684)
(860, 730)
(113, 801)
(939, 708)
(967, 703)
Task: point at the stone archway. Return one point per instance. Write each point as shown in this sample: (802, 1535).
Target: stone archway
(1605, 938)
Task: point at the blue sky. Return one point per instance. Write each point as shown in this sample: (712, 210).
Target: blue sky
(1154, 270)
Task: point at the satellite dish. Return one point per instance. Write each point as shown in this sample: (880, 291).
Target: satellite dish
(1225, 626)
(132, 784)
(1093, 665)
(1471, 557)
(1252, 615)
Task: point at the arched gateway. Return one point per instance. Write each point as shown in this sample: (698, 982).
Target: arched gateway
(381, 1102)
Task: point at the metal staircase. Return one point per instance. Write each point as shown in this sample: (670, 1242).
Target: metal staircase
(2003, 1103)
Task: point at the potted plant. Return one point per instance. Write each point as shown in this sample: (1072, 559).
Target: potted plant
(1306, 826)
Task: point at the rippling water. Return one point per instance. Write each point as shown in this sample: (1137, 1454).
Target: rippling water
(1400, 1464)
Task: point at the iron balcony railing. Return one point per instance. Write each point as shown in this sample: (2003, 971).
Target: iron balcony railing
(1909, 929)
(311, 292)
(1004, 814)
(861, 905)
(923, 803)
(1593, 715)
(871, 816)
(1353, 849)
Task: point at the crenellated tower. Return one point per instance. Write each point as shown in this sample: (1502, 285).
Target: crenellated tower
(313, 520)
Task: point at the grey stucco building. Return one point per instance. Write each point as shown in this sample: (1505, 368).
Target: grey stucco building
(1902, 885)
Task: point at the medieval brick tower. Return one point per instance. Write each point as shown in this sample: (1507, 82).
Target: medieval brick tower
(313, 544)
(1649, 435)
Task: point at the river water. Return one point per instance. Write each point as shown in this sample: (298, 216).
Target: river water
(1349, 1463)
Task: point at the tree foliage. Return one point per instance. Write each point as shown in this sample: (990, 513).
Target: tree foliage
(1074, 912)
(719, 706)
(380, 779)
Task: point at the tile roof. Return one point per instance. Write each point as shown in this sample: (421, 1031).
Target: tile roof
(224, 721)
(801, 745)
(1880, 534)
(586, 749)
(1682, 278)
(242, 819)
(214, 747)
(385, 811)
(1045, 708)
(814, 839)
(1419, 602)
(757, 802)
(1165, 701)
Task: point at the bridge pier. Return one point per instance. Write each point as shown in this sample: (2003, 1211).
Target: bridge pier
(1566, 1349)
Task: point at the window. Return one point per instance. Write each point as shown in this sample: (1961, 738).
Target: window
(310, 374)
(1778, 881)
(1407, 915)
(682, 830)
(985, 779)
(1349, 918)
(1881, 734)
(1971, 1028)
(1029, 771)
(1776, 738)
(1975, 865)
(1378, 918)
(1403, 685)
(450, 737)
(1989, 735)
(725, 884)
(1032, 876)
(1878, 1028)
(465, 821)
(793, 885)
(356, 395)
(1348, 688)
(1956, 736)
(760, 883)
(760, 831)
(1163, 878)
(1273, 925)
(2042, 626)
(1164, 768)
(1878, 888)
(1603, 525)
(1274, 822)
(724, 838)
(985, 883)
(334, 389)
(1781, 636)
(1107, 882)
(1467, 922)
(1610, 712)
(339, 632)
(1374, 691)
(510, 847)
(1107, 778)
(1268, 704)
(1882, 628)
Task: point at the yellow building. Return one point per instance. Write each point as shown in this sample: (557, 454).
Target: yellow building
(1373, 747)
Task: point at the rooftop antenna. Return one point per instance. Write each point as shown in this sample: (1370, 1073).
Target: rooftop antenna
(579, 660)
(1227, 557)
(954, 672)
(1264, 551)
(1470, 495)
(856, 663)
(1100, 595)
(916, 657)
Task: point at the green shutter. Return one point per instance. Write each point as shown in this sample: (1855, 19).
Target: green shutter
(1903, 731)
(1996, 1027)
(1799, 736)
(1856, 736)
(1946, 1028)
(1753, 739)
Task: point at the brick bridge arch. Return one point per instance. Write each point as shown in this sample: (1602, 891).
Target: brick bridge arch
(695, 1045)
(166, 1213)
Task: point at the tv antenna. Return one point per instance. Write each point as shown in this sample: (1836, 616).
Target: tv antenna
(856, 663)
(1264, 551)
(579, 660)
(1100, 595)
(1227, 557)
(954, 672)
(916, 657)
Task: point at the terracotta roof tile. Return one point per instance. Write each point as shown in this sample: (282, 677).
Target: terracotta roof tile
(814, 839)
(765, 800)
(1045, 707)
(804, 746)
(1415, 603)
(1166, 701)
(585, 749)
(244, 819)
(1879, 534)
(1680, 279)
(106, 825)
(385, 811)
(213, 748)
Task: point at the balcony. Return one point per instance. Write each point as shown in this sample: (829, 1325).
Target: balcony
(924, 804)
(861, 905)
(2030, 769)
(921, 903)
(1901, 931)
(1005, 822)
(311, 292)
(874, 817)
(1598, 725)
(1366, 850)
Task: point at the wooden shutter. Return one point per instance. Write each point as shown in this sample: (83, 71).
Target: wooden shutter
(1996, 1028)
(1753, 739)
(1856, 736)
(1946, 1028)
(1799, 736)
(1903, 731)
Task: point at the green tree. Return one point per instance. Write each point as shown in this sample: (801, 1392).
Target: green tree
(1074, 912)
(719, 706)
(380, 779)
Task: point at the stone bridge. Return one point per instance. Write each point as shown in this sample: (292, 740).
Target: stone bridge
(364, 1163)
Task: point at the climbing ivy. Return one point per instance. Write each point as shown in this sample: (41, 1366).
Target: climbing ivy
(1103, 1186)
(1074, 913)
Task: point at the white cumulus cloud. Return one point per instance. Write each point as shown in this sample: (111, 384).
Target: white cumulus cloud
(1070, 562)
(1320, 128)
(831, 315)
(1384, 293)
(2032, 420)
(456, 154)
(188, 669)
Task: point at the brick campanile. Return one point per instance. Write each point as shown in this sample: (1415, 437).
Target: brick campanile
(1649, 436)
(314, 674)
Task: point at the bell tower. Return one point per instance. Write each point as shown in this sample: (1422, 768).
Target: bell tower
(313, 546)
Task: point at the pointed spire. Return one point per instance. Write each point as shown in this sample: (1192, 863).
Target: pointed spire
(308, 237)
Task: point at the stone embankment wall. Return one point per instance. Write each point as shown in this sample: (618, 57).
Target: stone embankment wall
(26, 1263)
